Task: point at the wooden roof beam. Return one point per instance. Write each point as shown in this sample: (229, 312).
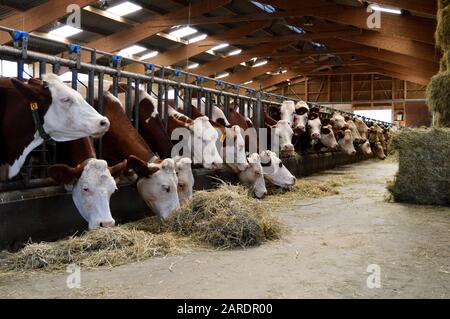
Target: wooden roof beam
(38, 17)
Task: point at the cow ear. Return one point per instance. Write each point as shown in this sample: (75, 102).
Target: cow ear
(30, 92)
(140, 167)
(64, 174)
(118, 169)
(325, 122)
(221, 121)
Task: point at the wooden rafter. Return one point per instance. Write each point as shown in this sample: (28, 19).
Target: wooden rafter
(38, 17)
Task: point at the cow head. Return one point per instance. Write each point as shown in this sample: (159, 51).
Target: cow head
(327, 137)
(345, 141)
(365, 148)
(338, 121)
(355, 133)
(205, 137)
(274, 170)
(283, 134)
(185, 178)
(379, 151)
(287, 111)
(69, 116)
(314, 126)
(157, 184)
(92, 186)
(300, 123)
(253, 176)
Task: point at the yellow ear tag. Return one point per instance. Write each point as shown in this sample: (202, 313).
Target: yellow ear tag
(33, 106)
(222, 138)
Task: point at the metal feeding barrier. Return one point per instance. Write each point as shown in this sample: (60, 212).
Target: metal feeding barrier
(185, 86)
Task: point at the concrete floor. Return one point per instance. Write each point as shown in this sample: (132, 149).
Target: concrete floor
(325, 254)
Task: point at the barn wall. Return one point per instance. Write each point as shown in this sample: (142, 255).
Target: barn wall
(417, 114)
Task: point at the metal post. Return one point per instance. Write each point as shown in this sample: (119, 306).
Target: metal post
(100, 109)
(166, 104)
(128, 99)
(136, 104)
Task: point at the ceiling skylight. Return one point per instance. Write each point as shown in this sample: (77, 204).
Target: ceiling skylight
(222, 75)
(265, 7)
(124, 8)
(183, 32)
(65, 31)
(235, 52)
(198, 38)
(149, 55)
(134, 49)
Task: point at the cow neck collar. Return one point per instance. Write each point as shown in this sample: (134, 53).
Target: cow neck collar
(34, 107)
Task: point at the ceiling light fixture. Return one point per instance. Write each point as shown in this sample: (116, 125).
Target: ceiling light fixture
(124, 8)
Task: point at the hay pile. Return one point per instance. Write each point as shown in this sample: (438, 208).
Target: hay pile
(438, 90)
(305, 189)
(101, 247)
(225, 218)
(424, 167)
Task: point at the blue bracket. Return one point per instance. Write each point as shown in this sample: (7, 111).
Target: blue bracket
(149, 67)
(219, 82)
(200, 79)
(19, 35)
(116, 58)
(176, 72)
(74, 48)
(249, 91)
(235, 87)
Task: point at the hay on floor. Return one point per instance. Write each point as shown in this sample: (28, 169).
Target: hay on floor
(101, 247)
(225, 218)
(424, 167)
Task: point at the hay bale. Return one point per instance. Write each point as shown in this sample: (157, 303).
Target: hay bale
(225, 218)
(443, 3)
(438, 96)
(443, 28)
(424, 168)
(100, 247)
(445, 62)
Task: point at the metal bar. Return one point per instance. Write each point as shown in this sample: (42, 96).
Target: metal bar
(20, 65)
(74, 79)
(166, 104)
(115, 86)
(42, 69)
(128, 99)
(136, 103)
(160, 96)
(100, 109)
(175, 98)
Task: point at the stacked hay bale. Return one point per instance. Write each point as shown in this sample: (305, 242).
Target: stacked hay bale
(438, 91)
(424, 169)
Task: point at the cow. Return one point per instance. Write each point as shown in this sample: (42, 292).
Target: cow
(379, 151)
(183, 169)
(90, 180)
(314, 127)
(327, 137)
(274, 170)
(156, 179)
(365, 148)
(353, 128)
(345, 141)
(300, 118)
(253, 177)
(217, 114)
(338, 121)
(287, 111)
(362, 128)
(62, 112)
(231, 137)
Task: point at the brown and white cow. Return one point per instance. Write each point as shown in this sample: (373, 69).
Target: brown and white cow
(275, 171)
(90, 180)
(314, 127)
(362, 128)
(157, 180)
(63, 113)
(183, 168)
(345, 141)
(253, 177)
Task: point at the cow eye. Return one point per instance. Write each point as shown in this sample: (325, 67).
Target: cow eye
(66, 99)
(280, 164)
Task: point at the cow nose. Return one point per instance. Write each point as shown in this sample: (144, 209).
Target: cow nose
(108, 224)
(293, 180)
(104, 123)
(315, 135)
(288, 147)
(354, 153)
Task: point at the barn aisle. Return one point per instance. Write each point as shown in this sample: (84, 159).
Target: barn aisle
(325, 254)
